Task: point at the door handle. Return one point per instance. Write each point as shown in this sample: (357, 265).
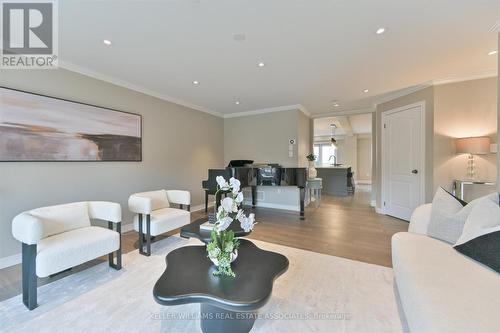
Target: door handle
(414, 171)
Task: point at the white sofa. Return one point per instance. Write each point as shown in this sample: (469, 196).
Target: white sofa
(57, 238)
(440, 289)
(154, 209)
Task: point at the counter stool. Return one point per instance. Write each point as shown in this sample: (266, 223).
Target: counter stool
(314, 186)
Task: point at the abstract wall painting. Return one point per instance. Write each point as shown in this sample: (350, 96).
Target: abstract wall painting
(40, 128)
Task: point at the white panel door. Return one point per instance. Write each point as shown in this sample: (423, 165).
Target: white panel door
(403, 161)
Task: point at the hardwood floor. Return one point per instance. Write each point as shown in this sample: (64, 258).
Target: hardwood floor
(344, 227)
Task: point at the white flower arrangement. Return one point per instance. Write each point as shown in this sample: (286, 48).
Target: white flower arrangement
(223, 247)
(230, 205)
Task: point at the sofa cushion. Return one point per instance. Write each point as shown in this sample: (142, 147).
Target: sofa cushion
(442, 290)
(65, 250)
(61, 218)
(163, 220)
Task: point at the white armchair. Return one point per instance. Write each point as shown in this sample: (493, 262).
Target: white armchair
(154, 208)
(60, 237)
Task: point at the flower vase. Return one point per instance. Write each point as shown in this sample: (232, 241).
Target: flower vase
(234, 255)
(312, 172)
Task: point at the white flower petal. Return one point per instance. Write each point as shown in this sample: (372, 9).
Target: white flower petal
(235, 184)
(224, 223)
(228, 204)
(222, 182)
(239, 197)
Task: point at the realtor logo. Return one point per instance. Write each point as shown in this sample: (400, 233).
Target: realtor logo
(29, 34)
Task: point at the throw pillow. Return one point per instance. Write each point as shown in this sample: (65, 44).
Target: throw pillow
(480, 239)
(448, 216)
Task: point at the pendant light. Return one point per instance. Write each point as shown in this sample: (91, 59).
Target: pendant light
(332, 139)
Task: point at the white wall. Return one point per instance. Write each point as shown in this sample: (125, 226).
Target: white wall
(498, 117)
(463, 109)
(364, 159)
(179, 145)
(303, 139)
(347, 147)
(264, 138)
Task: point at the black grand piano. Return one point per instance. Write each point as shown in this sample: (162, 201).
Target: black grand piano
(253, 175)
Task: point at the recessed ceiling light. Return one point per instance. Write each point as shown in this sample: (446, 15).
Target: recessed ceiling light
(196, 82)
(239, 37)
(365, 90)
(107, 42)
(237, 102)
(380, 31)
(493, 52)
(261, 64)
(336, 104)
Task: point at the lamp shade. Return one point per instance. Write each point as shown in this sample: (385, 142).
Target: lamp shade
(476, 145)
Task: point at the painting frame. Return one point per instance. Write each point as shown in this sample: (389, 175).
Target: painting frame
(140, 120)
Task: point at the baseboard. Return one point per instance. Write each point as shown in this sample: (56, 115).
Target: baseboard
(126, 227)
(197, 208)
(10, 260)
(379, 210)
(363, 182)
(273, 205)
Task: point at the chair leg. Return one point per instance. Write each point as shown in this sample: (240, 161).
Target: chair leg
(206, 201)
(111, 260)
(148, 234)
(29, 276)
(145, 238)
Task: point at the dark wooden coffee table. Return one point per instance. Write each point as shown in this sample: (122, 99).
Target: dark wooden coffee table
(192, 230)
(226, 304)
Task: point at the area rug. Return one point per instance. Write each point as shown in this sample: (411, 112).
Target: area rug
(318, 293)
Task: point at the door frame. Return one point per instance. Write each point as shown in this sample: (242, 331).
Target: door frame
(383, 151)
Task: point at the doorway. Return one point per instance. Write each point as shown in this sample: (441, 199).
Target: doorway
(403, 160)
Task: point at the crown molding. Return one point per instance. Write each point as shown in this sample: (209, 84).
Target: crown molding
(386, 98)
(344, 112)
(125, 84)
(269, 110)
(470, 77)
(435, 82)
(400, 93)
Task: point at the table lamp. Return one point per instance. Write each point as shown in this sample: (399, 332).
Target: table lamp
(472, 146)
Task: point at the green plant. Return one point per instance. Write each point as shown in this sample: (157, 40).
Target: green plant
(311, 157)
(221, 246)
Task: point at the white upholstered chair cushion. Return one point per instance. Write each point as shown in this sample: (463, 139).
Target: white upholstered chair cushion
(61, 218)
(163, 220)
(62, 251)
(146, 202)
(179, 197)
(105, 210)
(32, 226)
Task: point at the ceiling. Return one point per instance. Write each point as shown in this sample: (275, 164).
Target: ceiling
(346, 125)
(315, 52)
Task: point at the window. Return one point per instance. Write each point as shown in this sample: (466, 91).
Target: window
(324, 151)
